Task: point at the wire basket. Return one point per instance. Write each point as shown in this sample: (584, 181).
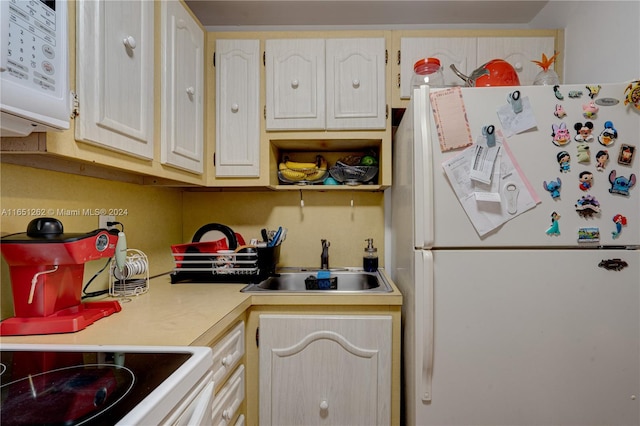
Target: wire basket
(133, 278)
(353, 175)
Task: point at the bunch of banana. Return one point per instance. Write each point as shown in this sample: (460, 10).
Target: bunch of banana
(296, 171)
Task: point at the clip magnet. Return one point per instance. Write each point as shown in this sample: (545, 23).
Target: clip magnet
(489, 133)
(516, 101)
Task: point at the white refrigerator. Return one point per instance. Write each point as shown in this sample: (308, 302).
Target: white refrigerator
(510, 317)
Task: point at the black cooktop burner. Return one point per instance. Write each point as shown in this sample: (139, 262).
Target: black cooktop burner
(75, 388)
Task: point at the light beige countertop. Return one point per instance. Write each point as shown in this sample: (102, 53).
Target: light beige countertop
(190, 314)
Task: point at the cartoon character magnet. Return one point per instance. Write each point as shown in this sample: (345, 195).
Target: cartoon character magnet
(584, 131)
(620, 184)
(553, 187)
(626, 154)
(620, 221)
(564, 160)
(587, 206)
(586, 180)
(560, 134)
(593, 90)
(584, 153)
(559, 112)
(590, 110)
(602, 158)
(632, 94)
(554, 229)
(608, 135)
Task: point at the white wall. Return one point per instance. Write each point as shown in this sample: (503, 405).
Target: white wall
(601, 38)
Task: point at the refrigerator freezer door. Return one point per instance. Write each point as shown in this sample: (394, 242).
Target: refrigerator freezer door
(526, 337)
(440, 218)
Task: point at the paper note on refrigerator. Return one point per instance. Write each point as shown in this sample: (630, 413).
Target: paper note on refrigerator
(516, 193)
(451, 119)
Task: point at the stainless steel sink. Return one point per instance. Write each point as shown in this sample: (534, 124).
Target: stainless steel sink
(347, 281)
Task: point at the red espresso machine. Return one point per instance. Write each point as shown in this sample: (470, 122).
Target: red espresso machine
(47, 271)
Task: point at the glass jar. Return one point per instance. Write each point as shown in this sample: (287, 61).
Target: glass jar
(427, 71)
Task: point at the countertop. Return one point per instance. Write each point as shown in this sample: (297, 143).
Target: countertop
(190, 314)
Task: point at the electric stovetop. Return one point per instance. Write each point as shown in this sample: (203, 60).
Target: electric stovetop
(94, 385)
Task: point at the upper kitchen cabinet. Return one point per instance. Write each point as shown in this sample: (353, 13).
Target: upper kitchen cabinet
(182, 121)
(237, 108)
(468, 50)
(114, 75)
(332, 84)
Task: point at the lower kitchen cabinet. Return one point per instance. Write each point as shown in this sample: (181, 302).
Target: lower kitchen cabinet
(229, 377)
(325, 369)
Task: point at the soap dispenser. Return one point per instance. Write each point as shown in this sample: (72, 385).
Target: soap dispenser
(370, 258)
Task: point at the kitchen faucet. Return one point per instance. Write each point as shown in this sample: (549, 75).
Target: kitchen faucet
(324, 258)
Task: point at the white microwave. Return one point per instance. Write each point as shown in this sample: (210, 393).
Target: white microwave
(34, 67)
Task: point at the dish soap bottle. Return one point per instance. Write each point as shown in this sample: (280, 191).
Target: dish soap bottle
(370, 258)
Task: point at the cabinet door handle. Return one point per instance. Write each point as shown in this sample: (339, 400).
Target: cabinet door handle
(235, 107)
(355, 83)
(324, 405)
(191, 91)
(130, 42)
(295, 84)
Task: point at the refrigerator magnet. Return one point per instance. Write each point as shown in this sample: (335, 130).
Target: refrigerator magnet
(560, 112)
(608, 135)
(557, 93)
(621, 184)
(586, 180)
(625, 157)
(560, 134)
(589, 235)
(593, 90)
(553, 187)
(587, 206)
(584, 153)
(564, 161)
(619, 221)
(554, 229)
(584, 131)
(602, 158)
(590, 110)
(632, 94)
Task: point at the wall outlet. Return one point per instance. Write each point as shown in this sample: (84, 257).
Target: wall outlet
(103, 219)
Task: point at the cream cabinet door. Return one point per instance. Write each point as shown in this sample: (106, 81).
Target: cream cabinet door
(333, 370)
(114, 75)
(237, 108)
(295, 86)
(356, 86)
(459, 51)
(518, 51)
(182, 88)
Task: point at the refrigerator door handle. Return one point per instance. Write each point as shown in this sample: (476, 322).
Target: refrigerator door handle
(423, 169)
(428, 323)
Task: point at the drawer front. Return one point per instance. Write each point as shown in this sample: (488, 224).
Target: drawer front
(229, 399)
(227, 353)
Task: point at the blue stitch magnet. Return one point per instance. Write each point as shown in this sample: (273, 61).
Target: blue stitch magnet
(620, 221)
(554, 229)
(553, 187)
(620, 184)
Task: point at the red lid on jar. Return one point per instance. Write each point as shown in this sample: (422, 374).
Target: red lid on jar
(426, 66)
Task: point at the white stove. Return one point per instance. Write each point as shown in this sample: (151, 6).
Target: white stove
(105, 385)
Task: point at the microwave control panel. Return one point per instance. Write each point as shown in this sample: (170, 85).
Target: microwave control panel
(34, 43)
(34, 66)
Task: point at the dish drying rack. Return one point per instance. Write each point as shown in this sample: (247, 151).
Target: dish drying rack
(133, 279)
(248, 265)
